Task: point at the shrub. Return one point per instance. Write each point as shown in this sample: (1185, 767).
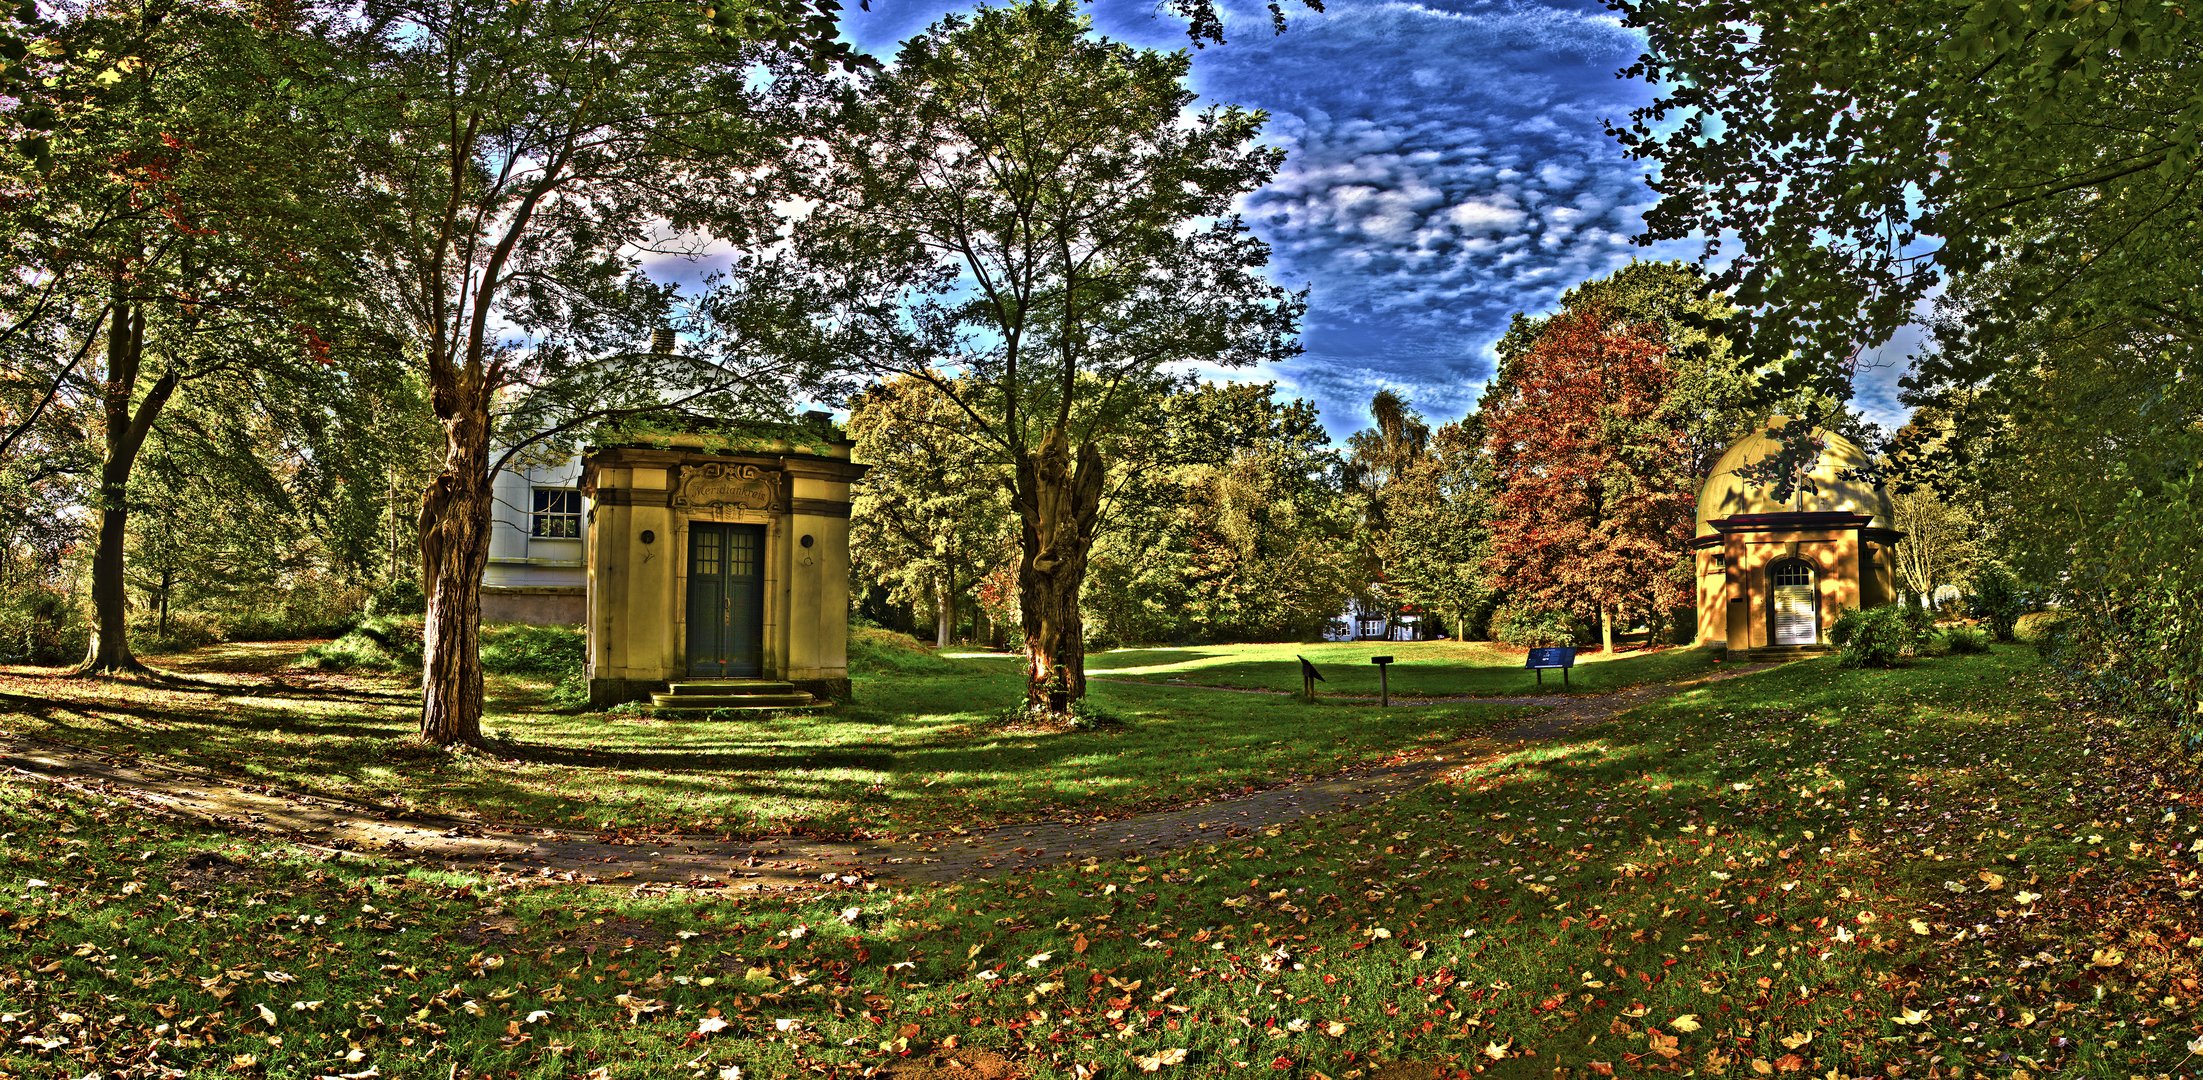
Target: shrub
(1965, 640)
(39, 624)
(1085, 716)
(1682, 626)
(186, 630)
(1993, 595)
(1882, 636)
(379, 644)
(274, 626)
(398, 596)
(559, 653)
(1529, 628)
(2039, 627)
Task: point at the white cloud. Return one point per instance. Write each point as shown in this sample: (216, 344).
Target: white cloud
(1487, 212)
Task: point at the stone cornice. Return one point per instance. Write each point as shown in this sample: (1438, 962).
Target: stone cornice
(808, 466)
(1791, 521)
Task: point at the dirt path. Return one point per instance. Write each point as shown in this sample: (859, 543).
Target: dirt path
(789, 863)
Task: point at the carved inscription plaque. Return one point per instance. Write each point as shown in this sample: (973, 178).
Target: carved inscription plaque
(714, 485)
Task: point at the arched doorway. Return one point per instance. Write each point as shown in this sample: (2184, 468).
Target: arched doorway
(1793, 603)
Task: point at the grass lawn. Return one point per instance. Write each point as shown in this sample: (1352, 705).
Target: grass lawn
(919, 750)
(1419, 668)
(1938, 871)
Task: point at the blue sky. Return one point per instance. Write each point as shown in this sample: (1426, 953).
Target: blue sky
(1446, 167)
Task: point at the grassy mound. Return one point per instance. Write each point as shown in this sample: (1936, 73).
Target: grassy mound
(393, 643)
(517, 649)
(873, 651)
(378, 643)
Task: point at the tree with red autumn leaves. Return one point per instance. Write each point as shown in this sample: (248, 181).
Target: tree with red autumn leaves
(1593, 484)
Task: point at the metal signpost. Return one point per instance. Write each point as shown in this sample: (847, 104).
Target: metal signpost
(1309, 677)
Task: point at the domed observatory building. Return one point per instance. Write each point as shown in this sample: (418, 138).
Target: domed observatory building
(1776, 575)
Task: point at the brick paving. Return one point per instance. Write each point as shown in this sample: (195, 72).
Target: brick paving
(789, 864)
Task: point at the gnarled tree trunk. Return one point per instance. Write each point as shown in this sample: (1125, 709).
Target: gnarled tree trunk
(109, 651)
(455, 524)
(1059, 504)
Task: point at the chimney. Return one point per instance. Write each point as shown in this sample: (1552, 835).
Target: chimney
(661, 340)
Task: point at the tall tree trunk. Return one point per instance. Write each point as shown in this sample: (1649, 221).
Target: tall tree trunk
(1606, 630)
(1059, 505)
(944, 611)
(455, 523)
(109, 650)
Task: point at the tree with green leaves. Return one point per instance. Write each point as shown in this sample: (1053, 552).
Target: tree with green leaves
(2036, 164)
(531, 154)
(1388, 468)
(2042, 157)
(1437, 532)
(1036, 221)
(2077, 457)
(1940, 543)
(1396, 441)
(172, 224)
(1242, 530)
(930, 518)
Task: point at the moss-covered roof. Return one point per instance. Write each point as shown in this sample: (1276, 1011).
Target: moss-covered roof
(812, 434)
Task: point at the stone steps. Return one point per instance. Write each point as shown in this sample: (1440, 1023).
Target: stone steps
(733, 695)
(1774, 653)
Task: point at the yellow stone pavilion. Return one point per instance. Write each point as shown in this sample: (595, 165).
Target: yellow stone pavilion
(1773, 577)
(717, 565)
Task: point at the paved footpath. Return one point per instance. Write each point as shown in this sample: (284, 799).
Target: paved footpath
(789, 864)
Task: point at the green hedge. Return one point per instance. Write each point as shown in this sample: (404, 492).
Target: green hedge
(1881, 637)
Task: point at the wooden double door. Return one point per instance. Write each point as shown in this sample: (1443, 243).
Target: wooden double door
(726, 600)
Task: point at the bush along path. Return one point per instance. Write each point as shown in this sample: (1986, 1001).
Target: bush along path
(789, 863)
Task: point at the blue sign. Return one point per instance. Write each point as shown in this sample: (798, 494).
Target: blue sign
(1551, 658)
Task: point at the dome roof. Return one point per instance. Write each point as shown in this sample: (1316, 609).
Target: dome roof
(1726, 493)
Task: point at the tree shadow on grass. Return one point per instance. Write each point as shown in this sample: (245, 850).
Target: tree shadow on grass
(910, 755)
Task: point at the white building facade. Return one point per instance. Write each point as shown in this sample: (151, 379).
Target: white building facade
(537, 573)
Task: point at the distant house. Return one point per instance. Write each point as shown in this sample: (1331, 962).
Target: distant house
(1371, 620)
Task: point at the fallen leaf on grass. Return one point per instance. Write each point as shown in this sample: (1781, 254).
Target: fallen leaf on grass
(1155, 1062)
